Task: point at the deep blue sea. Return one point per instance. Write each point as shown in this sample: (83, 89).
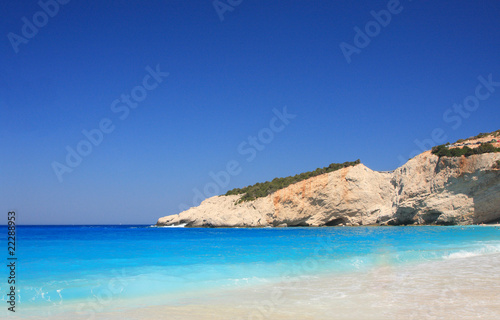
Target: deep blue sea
(85, 266)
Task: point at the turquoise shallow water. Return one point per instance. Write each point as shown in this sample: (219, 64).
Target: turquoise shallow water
(65, 266)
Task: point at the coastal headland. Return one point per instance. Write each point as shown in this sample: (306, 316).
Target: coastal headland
(453, 184)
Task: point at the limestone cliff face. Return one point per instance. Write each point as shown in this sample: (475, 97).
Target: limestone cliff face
(426, 190)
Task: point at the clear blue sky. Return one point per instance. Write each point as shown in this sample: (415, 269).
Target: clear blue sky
(224, 80)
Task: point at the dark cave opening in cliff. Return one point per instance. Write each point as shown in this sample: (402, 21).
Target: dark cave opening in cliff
(335, 222)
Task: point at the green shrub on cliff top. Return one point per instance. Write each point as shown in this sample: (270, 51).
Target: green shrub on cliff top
(444, 151)
(482, 135)
(259, 190)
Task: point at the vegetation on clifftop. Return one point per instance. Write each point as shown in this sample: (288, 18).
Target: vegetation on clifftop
(482, 135)
(263, 189)
(444, 150)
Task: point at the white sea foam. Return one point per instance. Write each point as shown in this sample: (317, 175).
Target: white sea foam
(182, 225)
(488, 249)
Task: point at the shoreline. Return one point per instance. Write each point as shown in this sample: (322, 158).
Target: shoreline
(317, 227)
(415, 290)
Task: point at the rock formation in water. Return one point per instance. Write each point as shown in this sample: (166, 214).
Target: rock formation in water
(426, 190)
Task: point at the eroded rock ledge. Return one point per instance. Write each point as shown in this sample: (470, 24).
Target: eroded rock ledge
(426, 190)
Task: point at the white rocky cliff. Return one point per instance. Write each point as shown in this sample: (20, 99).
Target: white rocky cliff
(426, 190)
